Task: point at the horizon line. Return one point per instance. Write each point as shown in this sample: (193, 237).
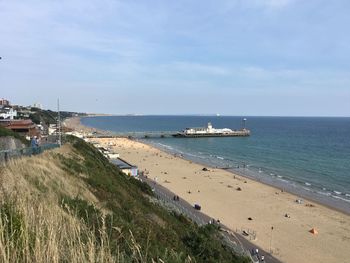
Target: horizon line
(211, 115)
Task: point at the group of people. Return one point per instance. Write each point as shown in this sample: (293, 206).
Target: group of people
(255, 252)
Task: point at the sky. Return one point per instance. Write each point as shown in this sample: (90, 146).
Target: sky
(232, 57)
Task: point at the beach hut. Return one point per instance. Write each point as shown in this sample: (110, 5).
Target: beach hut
(125, 167)
(313, 231)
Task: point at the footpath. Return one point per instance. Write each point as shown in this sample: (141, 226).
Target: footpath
(237, 242)
(6, 155)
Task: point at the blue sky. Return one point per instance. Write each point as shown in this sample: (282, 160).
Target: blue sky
(233, 57)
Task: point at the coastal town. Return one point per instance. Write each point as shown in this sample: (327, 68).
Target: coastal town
(30, 122)
(26, 120)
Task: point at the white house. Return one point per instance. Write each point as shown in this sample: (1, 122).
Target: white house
(38, 105)
(8, 113)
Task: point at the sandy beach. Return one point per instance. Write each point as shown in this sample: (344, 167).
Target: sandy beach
(233, 199)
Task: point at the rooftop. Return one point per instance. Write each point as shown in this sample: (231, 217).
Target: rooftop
(17, 124)
(122, 164)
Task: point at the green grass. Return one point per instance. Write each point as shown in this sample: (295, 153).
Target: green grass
(89, 214)
(15, 225)
(38, 184)
(158, 232)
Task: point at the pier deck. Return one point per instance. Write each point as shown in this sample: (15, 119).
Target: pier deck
(164, 134)
(143, 134)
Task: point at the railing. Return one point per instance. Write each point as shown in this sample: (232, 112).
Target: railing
(10, 154)
(141, 134)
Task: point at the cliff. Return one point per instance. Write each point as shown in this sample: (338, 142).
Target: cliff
(72, 205)
(10, 143)
(10, 140)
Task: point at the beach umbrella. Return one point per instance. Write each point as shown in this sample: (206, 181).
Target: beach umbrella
(313, 231)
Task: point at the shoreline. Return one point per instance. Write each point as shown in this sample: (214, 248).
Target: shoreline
(334, 204)
(299, 193)
(266, 204)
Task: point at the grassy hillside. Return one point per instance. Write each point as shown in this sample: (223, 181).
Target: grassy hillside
(72, 205)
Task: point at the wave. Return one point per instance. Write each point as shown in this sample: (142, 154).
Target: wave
(341, 198)
(324, 193)
(258, 171)
(283, 180)
(195, 156)
(166, 146)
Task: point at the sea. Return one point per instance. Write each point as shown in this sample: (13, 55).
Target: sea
(307, 156)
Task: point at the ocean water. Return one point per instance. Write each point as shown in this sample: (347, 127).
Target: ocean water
(309, 156)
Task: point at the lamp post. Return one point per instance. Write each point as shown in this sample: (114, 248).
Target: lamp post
(271, 240)
(244, 123)
(59, 123)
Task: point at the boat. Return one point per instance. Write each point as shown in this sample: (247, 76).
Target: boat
(209, 131)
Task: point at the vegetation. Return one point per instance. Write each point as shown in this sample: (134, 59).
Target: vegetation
(73, 205)
(6, 132)
(48, 116)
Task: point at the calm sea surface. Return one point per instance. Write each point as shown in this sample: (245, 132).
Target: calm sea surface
(309, 156)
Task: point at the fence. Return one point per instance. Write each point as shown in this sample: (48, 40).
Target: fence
(9, 154)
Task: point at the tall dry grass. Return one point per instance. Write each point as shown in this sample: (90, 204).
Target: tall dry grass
(40, 233)
(35, 227)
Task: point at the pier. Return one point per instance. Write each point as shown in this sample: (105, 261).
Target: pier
(195, 132)
(163, 134)
(139, 135)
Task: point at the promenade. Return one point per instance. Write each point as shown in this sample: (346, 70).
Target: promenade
(237, 242)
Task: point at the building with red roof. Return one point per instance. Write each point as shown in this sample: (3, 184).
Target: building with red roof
(24, 127)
